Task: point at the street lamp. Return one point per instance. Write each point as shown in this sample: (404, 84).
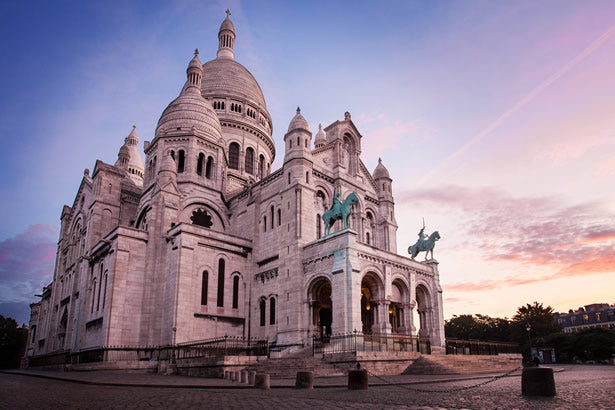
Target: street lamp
(529, 338)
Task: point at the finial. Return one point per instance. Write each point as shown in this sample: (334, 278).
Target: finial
(298, 110)
(228, 13)
(134, 126)
(379, 160)
(86, 172)
(319, 127)
(346, 115)
(196, 52)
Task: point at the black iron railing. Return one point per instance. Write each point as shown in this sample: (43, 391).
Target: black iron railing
(472, 347)
(217, 347)
(360, 342)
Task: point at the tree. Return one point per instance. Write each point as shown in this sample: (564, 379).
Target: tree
(539, 318)
(12, 342)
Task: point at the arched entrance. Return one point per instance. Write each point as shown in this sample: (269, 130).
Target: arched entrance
(397, 306)
(370, 295)
(423, 308)
(321, 306)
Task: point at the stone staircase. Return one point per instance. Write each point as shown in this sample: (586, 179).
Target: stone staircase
(288, 367)
(460, 364)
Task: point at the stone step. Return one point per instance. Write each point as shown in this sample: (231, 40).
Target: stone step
(450, 364)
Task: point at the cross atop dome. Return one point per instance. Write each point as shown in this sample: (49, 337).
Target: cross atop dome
(228, 13)
(196, 52)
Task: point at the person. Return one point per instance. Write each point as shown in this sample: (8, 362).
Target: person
(422, 234)
(536, 361)
(336, 198)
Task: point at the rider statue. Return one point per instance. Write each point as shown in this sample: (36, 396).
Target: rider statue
(336, 198)
(425, 243)
(422, 234)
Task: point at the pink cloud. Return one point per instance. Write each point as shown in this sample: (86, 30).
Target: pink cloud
(26, 264)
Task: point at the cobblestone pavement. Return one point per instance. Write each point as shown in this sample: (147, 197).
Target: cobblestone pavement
(578, 387)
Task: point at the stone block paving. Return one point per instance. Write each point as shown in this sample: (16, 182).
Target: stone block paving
(578, 387)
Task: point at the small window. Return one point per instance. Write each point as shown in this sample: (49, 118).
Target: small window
(221, 282)
(199, 164)
(272, 220)
(249, 166)
(204, 284)
(233, 155)
(262, 308)
(279, 217)
(235, 292)
(272, 311)
(208, 167)
(180, 162)
(307, 177)
(265, 223)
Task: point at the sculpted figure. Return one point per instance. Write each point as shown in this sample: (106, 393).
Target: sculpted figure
(424, 244)
(339, 210)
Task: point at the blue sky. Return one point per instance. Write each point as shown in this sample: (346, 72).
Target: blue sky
(495, 120)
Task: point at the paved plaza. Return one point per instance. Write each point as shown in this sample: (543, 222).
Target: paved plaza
(578, 387)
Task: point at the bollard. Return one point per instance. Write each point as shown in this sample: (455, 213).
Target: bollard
(305, 380)
(226, 374)
(537, 381)
(262, 381)
(251, 377)
(244, 376)
(357, 380)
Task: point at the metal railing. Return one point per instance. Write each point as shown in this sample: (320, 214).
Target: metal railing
(217, 347)
(360, 342)
(472, 347)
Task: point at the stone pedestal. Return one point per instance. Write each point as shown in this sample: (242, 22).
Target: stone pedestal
(251, 377)
(357, 380)
(244, 376)
(537, 381)
(305, 380)
(262, 381)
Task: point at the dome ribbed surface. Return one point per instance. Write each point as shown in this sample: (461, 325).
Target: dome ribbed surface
(226, 77)
(187, 111)
(227, 24)
(320, 138)
(381, 171)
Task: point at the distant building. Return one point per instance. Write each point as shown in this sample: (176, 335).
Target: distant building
(594, 315)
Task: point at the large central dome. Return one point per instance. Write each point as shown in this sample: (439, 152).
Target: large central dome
(226, 77)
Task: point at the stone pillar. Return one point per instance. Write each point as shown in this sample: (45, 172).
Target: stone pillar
(251, 377)
(262, 381)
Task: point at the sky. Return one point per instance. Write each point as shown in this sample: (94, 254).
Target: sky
(496, 121)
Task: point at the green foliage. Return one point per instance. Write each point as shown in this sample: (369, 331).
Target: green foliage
(539, 318)
(12, 342)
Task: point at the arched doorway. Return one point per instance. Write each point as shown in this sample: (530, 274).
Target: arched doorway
(370, 295)
(397, 306)
(322, 307)
(423, 309)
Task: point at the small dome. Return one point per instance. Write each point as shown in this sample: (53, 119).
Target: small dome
(298, 122)
(195, 62)
(227, 24)
(187, 111)
(320, 139)
(381, 171)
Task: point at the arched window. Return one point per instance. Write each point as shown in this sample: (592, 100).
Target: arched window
(289, 177)
(221, 282)
(265, 223)
(233, 155)
(262, 311)
(99, 287)
(318, 227)
(279, 217)
(93, 294)
(199, 164)
(204, 285)
(173, 155)
(272, 220)
(307, 177)
(249, 161)
(261, 166)
(272, 311)
(180, 162)
(235, 292)
(105, 290)
(208, 167)
(367, 237)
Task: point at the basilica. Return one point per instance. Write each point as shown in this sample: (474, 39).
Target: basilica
(204, 239)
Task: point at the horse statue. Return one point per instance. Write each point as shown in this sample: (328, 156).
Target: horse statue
(339, 210)
(424, 245)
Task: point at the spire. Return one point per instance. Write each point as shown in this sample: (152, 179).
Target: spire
(129, 158)
(194, 73)
(226, 38)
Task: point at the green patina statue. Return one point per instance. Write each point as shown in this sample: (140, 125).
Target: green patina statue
(339, 210)
(424, 243)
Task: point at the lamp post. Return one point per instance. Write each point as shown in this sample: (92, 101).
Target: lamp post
(529, 338)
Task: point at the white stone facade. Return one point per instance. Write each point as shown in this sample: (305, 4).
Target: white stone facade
(205, 241)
